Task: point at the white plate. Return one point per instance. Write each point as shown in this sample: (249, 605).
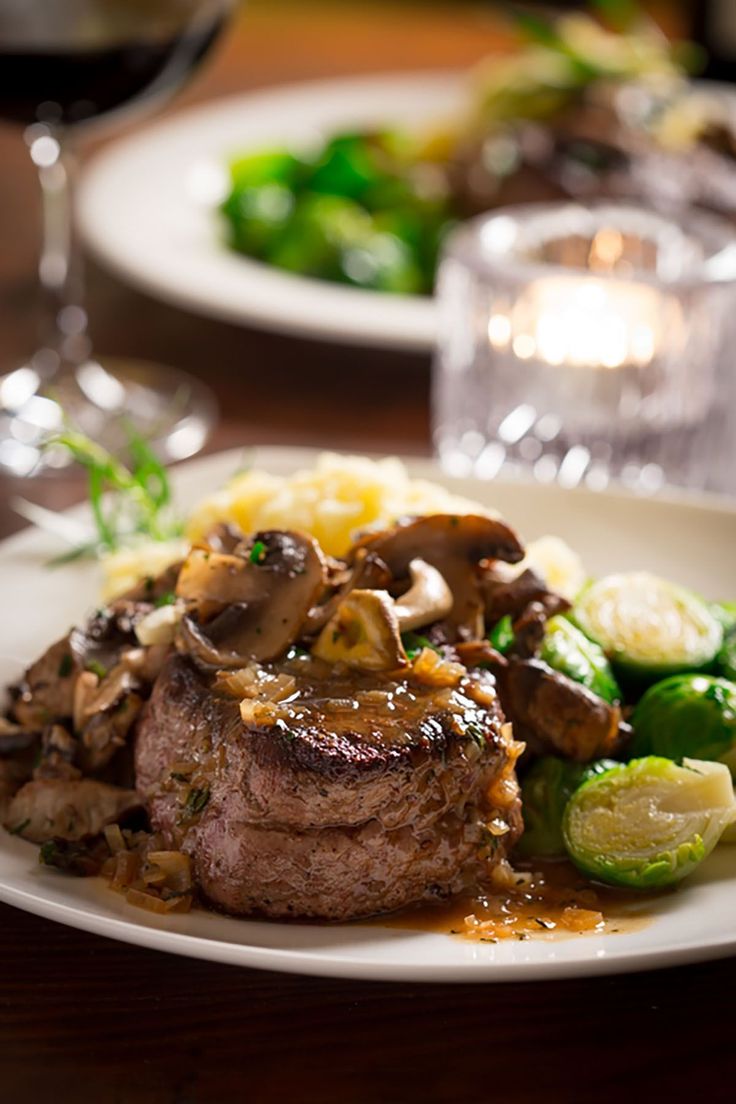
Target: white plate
(683, 538)
(145, 208)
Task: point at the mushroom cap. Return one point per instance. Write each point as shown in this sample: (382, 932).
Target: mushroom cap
(260, 598)
(456, 544)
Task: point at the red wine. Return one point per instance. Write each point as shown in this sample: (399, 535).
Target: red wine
(61, 73)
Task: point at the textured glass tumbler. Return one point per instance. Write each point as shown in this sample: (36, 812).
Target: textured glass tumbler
(584, 345)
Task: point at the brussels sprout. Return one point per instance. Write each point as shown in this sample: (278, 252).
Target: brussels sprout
(382, 262)
(725, 613)
(316, 236)
(650, 822)
(360, 167)
(691, 715)
(726, 658)
(545, 790)
(256, 216)
(568, 650)
(648, 628)
(268, 167)
(501, 635)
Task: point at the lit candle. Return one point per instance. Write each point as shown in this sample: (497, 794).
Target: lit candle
(585, 322)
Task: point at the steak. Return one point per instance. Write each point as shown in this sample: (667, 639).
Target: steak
(356, 794)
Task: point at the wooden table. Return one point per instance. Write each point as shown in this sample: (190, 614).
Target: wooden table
(82, 1018)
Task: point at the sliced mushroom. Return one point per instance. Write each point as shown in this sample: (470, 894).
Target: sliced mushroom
(363, 633)
(58, 751)
(428, 599)
(104, 713)
(263, 598)
(557, 716)
(49, 808)
(46, 692)
(455, 545)
(14, 773)
(368, 572)
(14, 737)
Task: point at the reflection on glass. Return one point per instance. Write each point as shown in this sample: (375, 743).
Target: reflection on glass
(65, 63)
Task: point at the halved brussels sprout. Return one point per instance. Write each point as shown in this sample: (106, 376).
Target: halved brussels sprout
(687, 715)
(545, 791)
(725, 613)
(650, 822)
(648, 627)
(566, 649)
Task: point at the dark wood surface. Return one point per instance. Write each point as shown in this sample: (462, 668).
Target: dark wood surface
(84, 1018)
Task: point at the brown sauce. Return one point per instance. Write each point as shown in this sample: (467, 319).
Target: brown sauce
(550, 901)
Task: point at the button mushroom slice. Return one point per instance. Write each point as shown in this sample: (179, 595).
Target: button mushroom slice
(53, 808)
(264, 597)
(456, 545)
(104, 714)
(363, 633)
(428, 599)
(557, 716)
(46, 692)
(14, 773)
(58, 751)
(368, 572)
(15, 738)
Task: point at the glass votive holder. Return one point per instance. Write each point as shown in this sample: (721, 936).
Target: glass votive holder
(587, 344)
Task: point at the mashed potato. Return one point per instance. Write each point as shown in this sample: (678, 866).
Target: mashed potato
(333, 500)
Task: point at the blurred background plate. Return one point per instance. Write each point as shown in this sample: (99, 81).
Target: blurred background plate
(146, 208)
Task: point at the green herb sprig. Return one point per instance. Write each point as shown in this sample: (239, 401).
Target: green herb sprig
(128, 501)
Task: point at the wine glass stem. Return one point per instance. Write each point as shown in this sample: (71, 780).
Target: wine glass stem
(65, 341)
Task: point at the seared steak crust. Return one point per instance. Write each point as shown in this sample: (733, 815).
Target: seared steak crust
(329, 814)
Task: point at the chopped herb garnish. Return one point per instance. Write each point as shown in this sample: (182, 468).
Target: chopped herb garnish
(257, 552)
(196, 800)
(49, 853)
(127, 501)
(179, 777)
(166, 599)
(415, 642)
(66, 665)
(476, 734)
(16, 831)
(148, 585)
(96, 668)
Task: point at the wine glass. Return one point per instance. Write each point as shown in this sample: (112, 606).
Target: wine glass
(66, 63)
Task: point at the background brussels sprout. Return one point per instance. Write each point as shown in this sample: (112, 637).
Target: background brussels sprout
(648, 823)
(693, 715)
(321, 228)
(545, 791)
(648, 627)
(358, 212)
(568, 650)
